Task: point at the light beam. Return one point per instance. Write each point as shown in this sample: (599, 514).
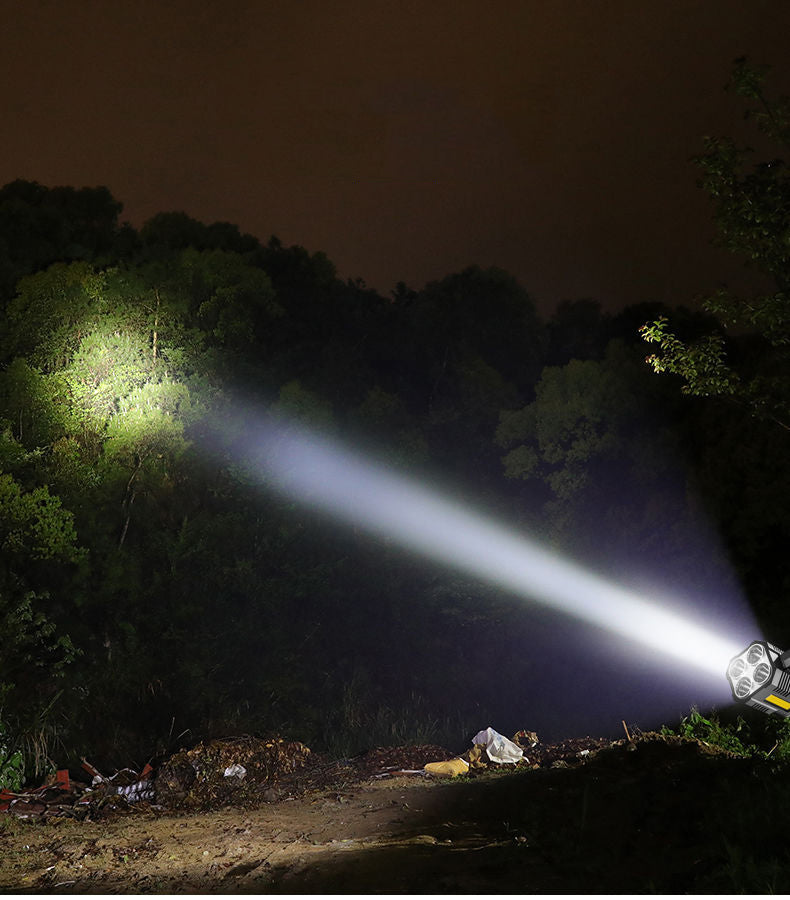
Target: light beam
(319, 472)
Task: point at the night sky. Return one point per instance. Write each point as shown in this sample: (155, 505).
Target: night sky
(405, 139)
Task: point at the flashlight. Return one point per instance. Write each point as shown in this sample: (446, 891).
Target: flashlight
(760, 677)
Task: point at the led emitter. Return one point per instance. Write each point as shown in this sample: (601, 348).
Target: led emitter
(760, 677)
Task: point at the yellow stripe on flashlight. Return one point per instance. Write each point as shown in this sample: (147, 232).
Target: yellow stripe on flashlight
(777, 701)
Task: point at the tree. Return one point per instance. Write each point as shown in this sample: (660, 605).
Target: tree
(38, 550)
(752, 213)
(108, 373)
(40, 226)
(169, 232)
(598, 440)
(578, 329)
(482, 313)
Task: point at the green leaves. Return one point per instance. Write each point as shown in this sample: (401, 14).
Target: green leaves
(710, 730)
(50, 313)
(752, 214)
(771, 115)
(701, 364)
(38, 547)
(109, 364)
(578, 416)
(34, 524)
(149, 421)
(40, 225)
(233, 299)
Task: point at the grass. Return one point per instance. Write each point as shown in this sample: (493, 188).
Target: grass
(745, 815)
(386, 726)
(732, 737)
(761, 736)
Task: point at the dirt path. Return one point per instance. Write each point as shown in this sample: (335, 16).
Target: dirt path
(372, 837)
(625, 820)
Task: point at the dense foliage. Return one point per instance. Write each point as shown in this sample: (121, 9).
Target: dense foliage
(752, 211)
(149, 589)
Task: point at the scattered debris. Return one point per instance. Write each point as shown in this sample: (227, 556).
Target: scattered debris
(397, 760)
(569, 752)
(390, 772)
(526, 739)
(138, 791)
(488, 747)
(503, 829)
(498, 748)
(237, 770)
(61, 796)
(451, 767)
(248, 771)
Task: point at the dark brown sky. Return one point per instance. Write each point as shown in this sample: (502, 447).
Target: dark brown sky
(405, 139)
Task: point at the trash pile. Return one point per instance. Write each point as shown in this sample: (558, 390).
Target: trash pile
(248, 771)
(489, 748)
(389, 760)
(63, 797)
(244, 769)
(569, 753)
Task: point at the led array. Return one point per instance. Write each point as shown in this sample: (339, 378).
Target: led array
(760, 677)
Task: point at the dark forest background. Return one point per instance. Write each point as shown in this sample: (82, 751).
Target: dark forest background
(151, 593)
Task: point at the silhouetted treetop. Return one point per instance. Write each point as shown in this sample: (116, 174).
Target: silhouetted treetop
(41, 225)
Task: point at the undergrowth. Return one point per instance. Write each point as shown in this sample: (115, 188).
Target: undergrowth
(12, 766)
(733, 737)
(763, 736)
(752, 857)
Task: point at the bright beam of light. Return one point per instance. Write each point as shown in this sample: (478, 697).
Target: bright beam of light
(320, 473)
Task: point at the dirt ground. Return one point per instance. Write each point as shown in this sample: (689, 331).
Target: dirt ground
(583, 817)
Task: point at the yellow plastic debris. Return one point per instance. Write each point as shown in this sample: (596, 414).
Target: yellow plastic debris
(450, 767)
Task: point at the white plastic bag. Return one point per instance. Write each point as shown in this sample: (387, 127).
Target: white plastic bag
(499, 748)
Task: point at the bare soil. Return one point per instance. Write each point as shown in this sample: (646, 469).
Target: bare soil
(588, 816)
